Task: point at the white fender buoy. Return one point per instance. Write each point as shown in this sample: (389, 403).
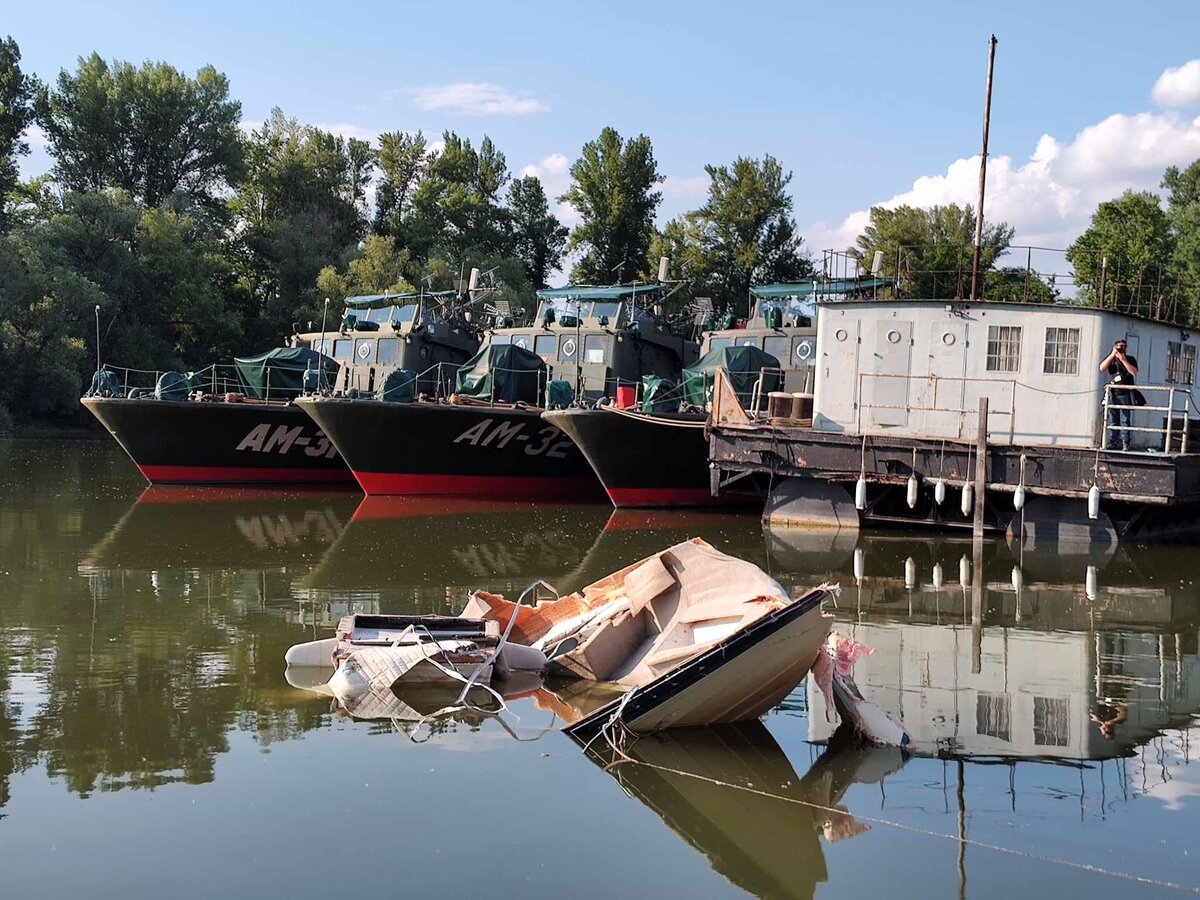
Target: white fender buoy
(910, 573)
(860, 494)
(964, 571)
(860, 562)
(1017, 579)
(968, 499)
(939, 491)
(1019, 498)
(939, 577)
(1089, 584)
(914, 488)
(1094, 502)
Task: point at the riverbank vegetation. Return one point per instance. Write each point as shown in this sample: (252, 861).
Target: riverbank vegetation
(199, 237)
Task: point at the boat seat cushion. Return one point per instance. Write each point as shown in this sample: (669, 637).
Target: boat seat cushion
(648, 581)
(607, 648)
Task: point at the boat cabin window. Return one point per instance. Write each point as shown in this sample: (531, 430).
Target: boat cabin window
(544, 344)
(521, 340)
(341, 348)
(777, 346)
(585, 309)
(746, 342)
(1062, 352)
(322, 346)
(795, 311)
(718, 342)
(388, 347)
(402, 315)
(364, 351)
(1004, 348)
(499, 340)
(802, 351)
(1181, 363)
(567, 347)
(594, 346)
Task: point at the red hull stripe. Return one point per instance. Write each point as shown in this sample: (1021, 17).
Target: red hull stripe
(243, 475)
(626, 497)
(517, 487)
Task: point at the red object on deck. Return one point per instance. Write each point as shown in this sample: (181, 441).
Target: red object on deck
(626, 396)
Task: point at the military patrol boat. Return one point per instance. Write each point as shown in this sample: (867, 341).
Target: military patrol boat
(237, 424)
(486, 437)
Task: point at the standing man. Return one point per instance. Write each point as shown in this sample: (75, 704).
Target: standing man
(1121, 369)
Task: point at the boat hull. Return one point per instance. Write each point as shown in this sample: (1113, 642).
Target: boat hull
(213, 442)
(454, 450)
(738, 679)
(644, 460)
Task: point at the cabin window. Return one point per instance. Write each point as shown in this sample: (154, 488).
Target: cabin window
(718, 342)
(1181, 363)
(341, 349)
(802, 350)
(1062, 352)
(387, 351)
(777, 347)
(322, 346)
(746, 342)
(544, 344)
(497, 340)
(593, 349)
(993, 715)
(1003, 348)
(521, 340)
(567, 347)
(1051, 719)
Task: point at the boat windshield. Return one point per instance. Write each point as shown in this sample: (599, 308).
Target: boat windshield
(382, 316)
(793, 308)
(584, 309)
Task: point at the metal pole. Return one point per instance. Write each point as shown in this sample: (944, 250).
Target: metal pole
(980, 468)
(97, 337)
(324, 346)
(987, 118)
(1103, 279)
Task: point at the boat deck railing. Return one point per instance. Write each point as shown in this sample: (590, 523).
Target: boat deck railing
(1175, 423)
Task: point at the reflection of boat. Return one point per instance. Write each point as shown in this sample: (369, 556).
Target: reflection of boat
(221, 528)
(697, 637)
(732, 794)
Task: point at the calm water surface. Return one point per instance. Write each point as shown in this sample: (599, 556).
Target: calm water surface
(151, 744)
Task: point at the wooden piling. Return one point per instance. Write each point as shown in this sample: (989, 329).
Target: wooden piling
(980, 468)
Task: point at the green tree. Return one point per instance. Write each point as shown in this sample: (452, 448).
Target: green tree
(1133, 233)
(151, 131)
(538, 237)
(17, 91)
(1013, 284)
(933, 247)
(1183, 210)
(379, 269)
(743, 235)
(299, 210)
(613, 189)
(402, 161)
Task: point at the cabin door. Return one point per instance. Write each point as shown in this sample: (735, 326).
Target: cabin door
(886, 387)
(940, 397)
(838, 394)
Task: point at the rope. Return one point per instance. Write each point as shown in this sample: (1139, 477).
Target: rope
(901, 826)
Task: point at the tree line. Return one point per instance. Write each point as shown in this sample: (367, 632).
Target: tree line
(200, 239)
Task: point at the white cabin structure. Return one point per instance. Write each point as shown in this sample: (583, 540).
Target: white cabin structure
(919, 368)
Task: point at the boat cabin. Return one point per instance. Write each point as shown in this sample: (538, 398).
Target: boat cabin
(599, 338)
(783, 323)
(382, 333)
(920, 367)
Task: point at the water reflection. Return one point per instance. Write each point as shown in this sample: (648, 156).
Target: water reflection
(731, 793)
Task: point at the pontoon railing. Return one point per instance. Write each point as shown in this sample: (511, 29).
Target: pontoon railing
(1174, 428)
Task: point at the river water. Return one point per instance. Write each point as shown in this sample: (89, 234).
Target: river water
(151, 744)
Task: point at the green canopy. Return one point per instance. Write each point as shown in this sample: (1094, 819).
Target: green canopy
(380, 301)
(279, 374)
(599, 292)
(742, 363)
(818, 286)
(502, 372)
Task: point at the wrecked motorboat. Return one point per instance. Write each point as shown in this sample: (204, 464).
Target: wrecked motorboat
(695, 636)
(372, 654)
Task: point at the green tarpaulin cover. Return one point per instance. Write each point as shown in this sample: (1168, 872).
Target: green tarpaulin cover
(659, 395)
(743, 365)
(503, 372)
(279, 374)
(559, 395)
(400, 386)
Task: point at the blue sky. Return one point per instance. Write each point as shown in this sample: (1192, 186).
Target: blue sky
(866, 103)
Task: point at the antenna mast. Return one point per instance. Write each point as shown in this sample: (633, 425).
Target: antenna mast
(987, 119)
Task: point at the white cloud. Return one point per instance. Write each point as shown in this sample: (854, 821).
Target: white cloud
(1050, 197)
(475, 99)
(555, 175)
(1178, 86)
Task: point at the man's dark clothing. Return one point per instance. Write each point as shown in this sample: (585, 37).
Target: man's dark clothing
(1119, 419)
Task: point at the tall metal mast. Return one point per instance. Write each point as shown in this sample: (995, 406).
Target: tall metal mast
(987, 119)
